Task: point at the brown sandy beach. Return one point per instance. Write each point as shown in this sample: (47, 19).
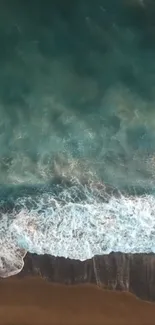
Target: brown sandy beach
(32, 300)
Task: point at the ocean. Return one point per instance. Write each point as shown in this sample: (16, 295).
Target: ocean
(77, 129)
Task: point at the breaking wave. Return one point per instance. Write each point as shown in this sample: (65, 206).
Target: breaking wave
(76, 222)
(76, 101)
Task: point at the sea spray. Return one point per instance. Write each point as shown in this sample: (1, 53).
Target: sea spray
(61, 225)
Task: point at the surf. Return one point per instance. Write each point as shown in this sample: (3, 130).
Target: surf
(76, 221)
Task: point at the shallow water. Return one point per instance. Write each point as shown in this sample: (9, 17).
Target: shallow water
(77, 104)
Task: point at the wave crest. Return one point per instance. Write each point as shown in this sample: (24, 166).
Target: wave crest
(64, 223)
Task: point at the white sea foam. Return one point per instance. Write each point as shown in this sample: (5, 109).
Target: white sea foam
(78, 230)
(11, 255)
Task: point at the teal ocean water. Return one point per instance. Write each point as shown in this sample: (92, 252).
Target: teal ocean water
(77, 128)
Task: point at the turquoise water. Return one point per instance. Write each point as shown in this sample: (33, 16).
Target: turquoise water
(77, 92)
(77, 103)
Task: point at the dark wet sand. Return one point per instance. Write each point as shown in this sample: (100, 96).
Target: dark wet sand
(35, 301)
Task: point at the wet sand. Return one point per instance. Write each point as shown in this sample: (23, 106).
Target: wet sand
(35, 301)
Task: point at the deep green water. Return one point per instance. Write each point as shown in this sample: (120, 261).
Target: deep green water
(77, 91)
(77, 103)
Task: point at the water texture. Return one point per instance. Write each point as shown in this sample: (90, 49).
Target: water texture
(76, 110)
